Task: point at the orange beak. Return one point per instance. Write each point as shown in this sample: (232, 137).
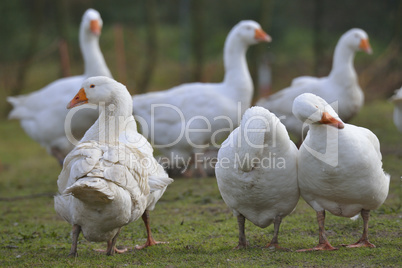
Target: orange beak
(95, 27)
(330, 120)
(262, 36)
(79, 99)
(365, 46)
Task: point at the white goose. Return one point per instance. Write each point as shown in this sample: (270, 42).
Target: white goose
(397, 100)
(111, 177)
(340, 88)
(257, 172)
(190, 115)
(339, 167)
(42, 113)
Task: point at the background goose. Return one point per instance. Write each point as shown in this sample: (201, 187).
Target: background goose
(42, 113)
(397, 100)
(340, 88)
(339, 167)
(110, 178)
(257, 172)
(182, 121)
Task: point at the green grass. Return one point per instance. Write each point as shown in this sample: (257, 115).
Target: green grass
(191, 215)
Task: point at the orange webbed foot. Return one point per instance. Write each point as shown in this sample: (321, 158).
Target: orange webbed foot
(149, 244)
(276, 247)
(319, 247)
(115, 250)
(360, 244)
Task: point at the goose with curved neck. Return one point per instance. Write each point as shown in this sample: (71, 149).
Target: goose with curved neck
(194, 106)
(94, 62)
(40, 113)
(339, 167)
(340, 88)
(129, 181)
(237, 79)
(114, 116)
(343, 70)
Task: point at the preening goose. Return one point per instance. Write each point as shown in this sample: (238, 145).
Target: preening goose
(42, 113)
(339, 167)
(340, 88)
(257, 172)
(111, 177)
(186, 119)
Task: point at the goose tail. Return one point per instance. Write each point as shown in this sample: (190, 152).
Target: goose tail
(91, 190)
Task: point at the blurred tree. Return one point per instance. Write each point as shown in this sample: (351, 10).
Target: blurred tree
(62, 29)
(184, 50)
(151, 48)
(259, 59)
(303, 38)
(386, 69)
(27, 59)
(120, 53)
(198, 38)
(318, 45)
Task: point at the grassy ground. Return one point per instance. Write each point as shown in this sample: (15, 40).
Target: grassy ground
(191, 215)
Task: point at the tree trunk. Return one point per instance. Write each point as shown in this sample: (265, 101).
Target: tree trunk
(37, 23)
(120, 53)
(184, 36)
(318, 45)
(62, 28)
(259, 54)
(152, 46)
(198, 38)
(383, 76)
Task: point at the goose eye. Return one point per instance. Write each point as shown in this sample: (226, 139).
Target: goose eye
(92, 86)
(316, 106)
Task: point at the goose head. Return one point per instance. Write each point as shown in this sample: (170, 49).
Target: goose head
(101, 89)
(250, 32)
(357, 39)
(311, 109)
(92, 22)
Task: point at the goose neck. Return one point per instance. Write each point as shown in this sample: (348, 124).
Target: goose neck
(342, 65)
(235, 62)
(323, 139)
(94, 61)
(237, 83)
(112, 121)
